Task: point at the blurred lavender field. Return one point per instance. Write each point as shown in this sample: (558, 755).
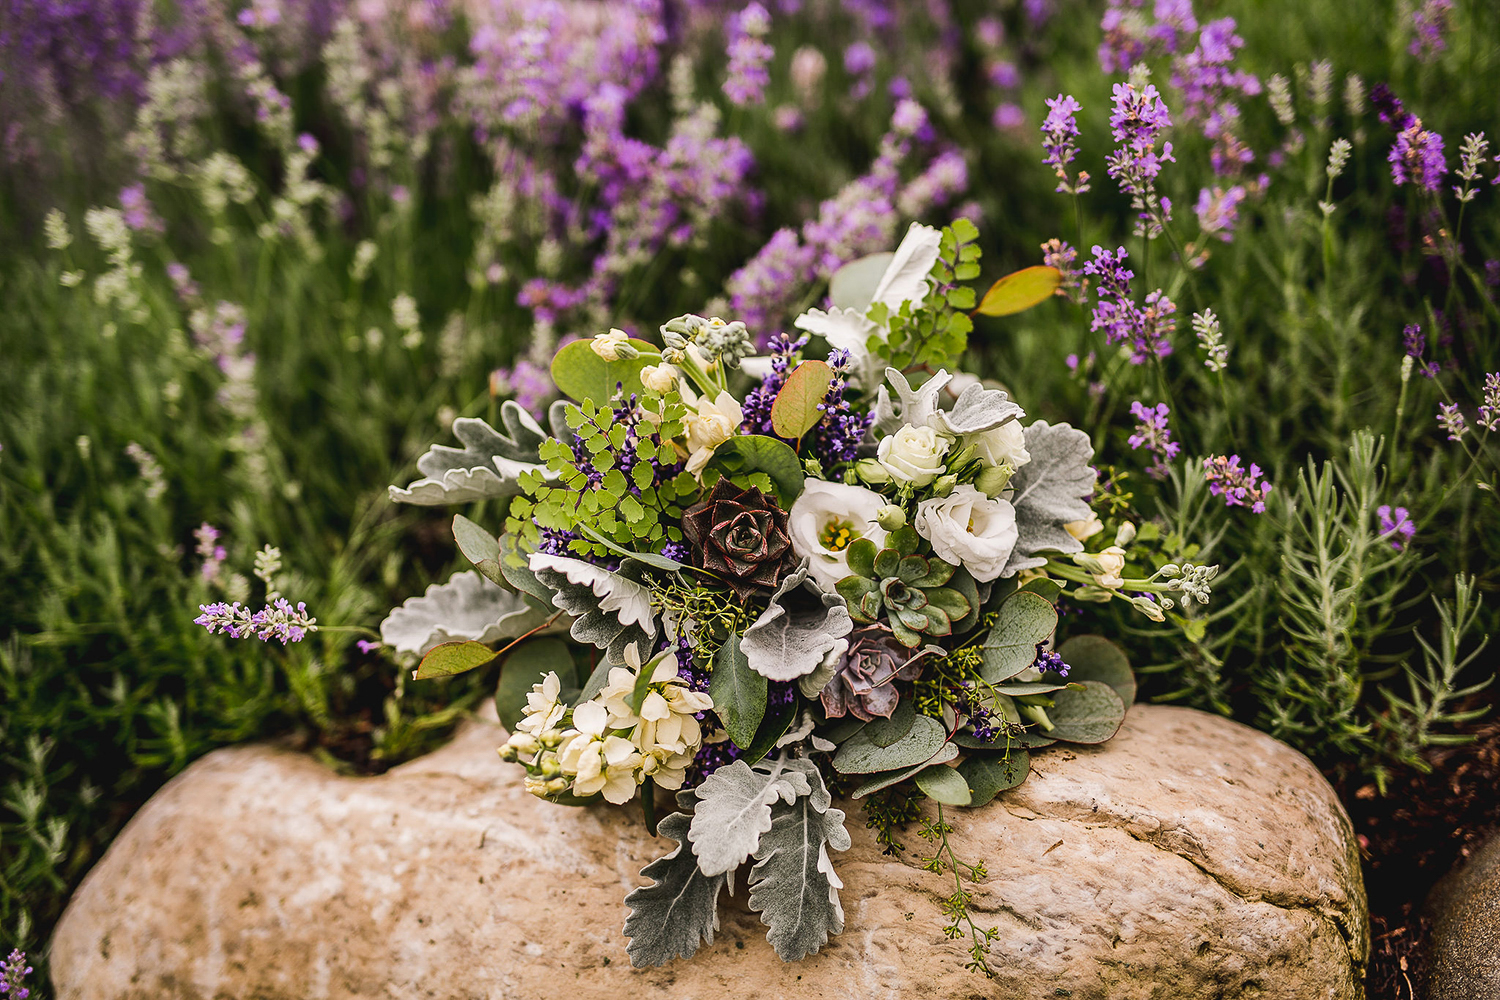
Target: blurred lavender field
(257, 256)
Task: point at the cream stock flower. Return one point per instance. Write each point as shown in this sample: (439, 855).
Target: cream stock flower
(607, 345)
(1111, 564)
(710, 424)
(659, 378)
(543, 709)
(596, 762)
(666, 731)
(913, 455)
(1085, 529)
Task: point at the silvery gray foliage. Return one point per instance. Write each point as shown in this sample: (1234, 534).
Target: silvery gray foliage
(466, 607)
(670, 918)
(793, 885)
(1050, 491)
(979, 409)
(786, 641)
(734, 810)
(489, 465)
(605, 605)
(918, 406)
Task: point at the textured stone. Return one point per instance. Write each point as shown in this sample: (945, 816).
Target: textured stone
(1190, 857)
(1465, 908)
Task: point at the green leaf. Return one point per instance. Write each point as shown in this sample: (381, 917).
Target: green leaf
(862, 554)
(581, 374)
(885, 732)
(860, 754)
(526, 666)
(1044, 587)
(649, 558)
(845, 729)
(886, 780)
(963, 582)
(772, 728)
(964, 231)
(1091, 713)
(596, 681)
(853, 285)
(1029, 741)
(942, 783)
(988, 775)
(758, 453)
(671, 918)
(739, 693)
(1095, 658)
(796, 409)
(518, 574)
(480, 547)
(1019, 291)
(1024, 620)
(453, 658)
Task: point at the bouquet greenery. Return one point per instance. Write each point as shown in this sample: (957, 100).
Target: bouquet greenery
(840, 580)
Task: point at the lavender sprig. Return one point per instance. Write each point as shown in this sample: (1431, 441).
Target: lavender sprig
(1153, 434)
(1059, 135)
(274, 621)
(1239, 487)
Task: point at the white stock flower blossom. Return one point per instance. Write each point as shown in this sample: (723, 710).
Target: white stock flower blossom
(544, 709)
(597, 762)
(1111, 565)
(607, 345)
(709, 424)
(825, 519)
(665, 730)
(659, 378)
(913, 455)
(968, 529)
(1085, 529)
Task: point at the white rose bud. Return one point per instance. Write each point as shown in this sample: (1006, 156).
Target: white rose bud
(613, 346)
(945, 484)
(914, 455)
(891, 517)
(659, 378)
(1003, 445)
(994, 480)
(871, 471)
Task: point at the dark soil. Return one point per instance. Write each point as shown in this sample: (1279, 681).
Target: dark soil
(1410, 838)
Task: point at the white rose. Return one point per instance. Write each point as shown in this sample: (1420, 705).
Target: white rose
(659, 378)
(607, 345)
(1001, 445)
(823, 522)
(714, 422)
(968, 529)
(913, 455)
(1111, 565)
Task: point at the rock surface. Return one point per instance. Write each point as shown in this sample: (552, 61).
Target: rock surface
(1189, 857)
(1465, 907)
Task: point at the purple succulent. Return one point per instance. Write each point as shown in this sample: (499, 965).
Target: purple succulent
(865, 684)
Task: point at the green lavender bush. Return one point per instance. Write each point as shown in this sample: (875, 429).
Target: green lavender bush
(395, 272)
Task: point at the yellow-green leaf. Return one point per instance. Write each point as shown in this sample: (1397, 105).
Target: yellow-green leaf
(1018, 291)
(795, 411)
(581, 374)
(453, 658)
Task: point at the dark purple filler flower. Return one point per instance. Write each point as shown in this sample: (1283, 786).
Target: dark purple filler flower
(1417, 157)
(740, 535)
(865, 684)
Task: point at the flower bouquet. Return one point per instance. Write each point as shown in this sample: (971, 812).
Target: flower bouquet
(780, 578)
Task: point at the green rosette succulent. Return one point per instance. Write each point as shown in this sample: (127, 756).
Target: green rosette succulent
(905, 589)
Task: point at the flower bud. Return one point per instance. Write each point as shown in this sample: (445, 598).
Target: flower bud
(944, 484)
(1126, 534)
(993, 480)
(508, 754)
(613, 346)
(550, 767)
(659, 378)
(891, 517)
(1085, 529)
(1036, 714)
(1149, 608)
(536, 786)
(871, 471)
(551, 738)
(557, 786)
(523, 743)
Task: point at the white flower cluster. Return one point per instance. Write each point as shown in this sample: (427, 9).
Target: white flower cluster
(612, 746)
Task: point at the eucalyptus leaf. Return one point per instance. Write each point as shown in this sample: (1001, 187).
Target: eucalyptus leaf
(734, 811)
(988, 775)
(1088, 713)
(1044, 587)
(739, 693)
(1029, 687)
(452, 658)
(596, 681)
(860, 754)
(1023, 621)
(526, 666)
(1050, 491)
(480, 547)
(490, 464)
(672, 917)
(885, 732)
(942, 783)
(793, 885)
(580, 373)
(963, 582)
(759, 453)
(1095, 658)
(513, 566)
(889, 778)
(466, 607)
(845, 729)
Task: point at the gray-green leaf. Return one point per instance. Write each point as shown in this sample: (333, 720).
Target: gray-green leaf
(612, 610)
(1050, 491)
(490, 464)
(1090, 713)
(988, 775)
(734, 811)
(466, 607)
(942, 783)
(739, 693)
(787, 642)
(860, 754)
(793, 885)
(1024, 620)
(1095, 658)
(681, 910)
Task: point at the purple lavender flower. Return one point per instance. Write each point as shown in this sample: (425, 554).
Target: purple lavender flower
(1218, 210)
(1451, 419)
(1138, 120)
(1415, 344)
(1417, 157)
(1059, 132)
(1489, 410)
(528, 384)
(1130, 36)
(859, 63)
(1148, 330)
(212, 553)
(1049, 661)
(1204, 76)
(274, 621)
(13, 971)
(1389, 107)
(1061, 255)
(1430, 24)
(137, 211)
(1153, 434)
(1008, 115)
(1397, 525)
(749, 55)
(1239, 487)
(367, 646)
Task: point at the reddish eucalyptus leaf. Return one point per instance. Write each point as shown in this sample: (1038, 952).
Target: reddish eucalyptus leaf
(1020, 290)
(452, 658)
(795, 411)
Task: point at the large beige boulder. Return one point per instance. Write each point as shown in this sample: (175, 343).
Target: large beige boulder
(1189, 857)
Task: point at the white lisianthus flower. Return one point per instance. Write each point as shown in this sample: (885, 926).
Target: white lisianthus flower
(1111, 565)
(1003, 445)
(825, 519)
(607, 345)
(659, 378)
(1085, 529)
(544, 710)
(596, 762)
(709, 425)
(914, 455)
(665, 730)
(968, 529)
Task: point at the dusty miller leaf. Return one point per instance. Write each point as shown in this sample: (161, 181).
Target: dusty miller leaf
(786, 642)
(793, 885)
(466, 607)
(490, 464)
(681, 910)
(979, 409)
(1049, 492)
(612, 610)
(734, 810)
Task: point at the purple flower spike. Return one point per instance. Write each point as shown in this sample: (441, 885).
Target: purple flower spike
(1153, 434)
(1059, 135)
(1417, 157)
(1398, 525)
(1239, 487)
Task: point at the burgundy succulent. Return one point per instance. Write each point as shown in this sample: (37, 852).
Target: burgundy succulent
(865, 684)
(740, 535)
